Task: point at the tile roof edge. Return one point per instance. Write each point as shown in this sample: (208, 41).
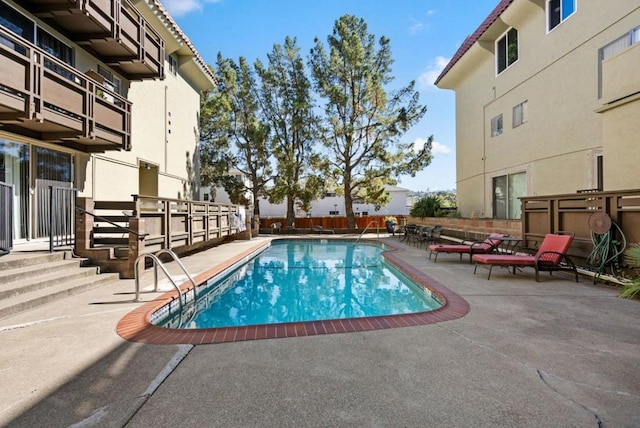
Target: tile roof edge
(473, 38)
(181, 35)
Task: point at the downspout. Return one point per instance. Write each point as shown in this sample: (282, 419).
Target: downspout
(166, 129)
(484, 154)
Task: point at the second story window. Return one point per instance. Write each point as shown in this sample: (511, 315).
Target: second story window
(173, 64)
(496, 125)
(506, 50)
(17, 24)
(110, 81)
(558, 11)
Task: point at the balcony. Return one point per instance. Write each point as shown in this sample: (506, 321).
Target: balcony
(620, 75)
(44, 98)
(112, 30)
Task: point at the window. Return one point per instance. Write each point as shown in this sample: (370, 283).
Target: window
(506, 191)
(520, 114)
(206, 196)
(558, 11)
(506, 50)
(173, 64)
(496, 125)
(110, 81)
(334, 212)
(614, 48)
(17, 24)
(330, 194)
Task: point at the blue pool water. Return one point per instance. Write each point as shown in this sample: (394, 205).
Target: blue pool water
(301, 280)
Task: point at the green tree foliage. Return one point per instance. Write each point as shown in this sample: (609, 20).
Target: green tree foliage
(429, 206)
(232, 134)
(287, 106)
(362, 123)
(632, 258)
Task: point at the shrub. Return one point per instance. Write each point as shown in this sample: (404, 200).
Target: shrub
(426, 207)
(632, 258)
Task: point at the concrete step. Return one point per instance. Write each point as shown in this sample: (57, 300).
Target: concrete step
(16, 259)
(61, 289)
(30, 273)
(31, 278)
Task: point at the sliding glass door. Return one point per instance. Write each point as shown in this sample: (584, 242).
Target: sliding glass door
(14, 170)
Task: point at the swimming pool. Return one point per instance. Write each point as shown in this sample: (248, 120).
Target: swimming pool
(303, 280)
(138, 325)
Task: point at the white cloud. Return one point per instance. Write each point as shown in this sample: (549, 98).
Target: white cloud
(426, 79)
(439, 149)
(416, 27)
(436, 147)
(431, 12)
(182, 7)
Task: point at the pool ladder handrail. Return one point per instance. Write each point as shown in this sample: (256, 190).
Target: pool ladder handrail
(157, 263)
(367, 228)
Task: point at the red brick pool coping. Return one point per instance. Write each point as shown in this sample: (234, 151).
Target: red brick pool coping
(135, 326)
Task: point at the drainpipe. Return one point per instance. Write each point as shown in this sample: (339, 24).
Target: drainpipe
(166, 129)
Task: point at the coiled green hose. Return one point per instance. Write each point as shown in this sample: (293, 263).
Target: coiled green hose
(605, 251)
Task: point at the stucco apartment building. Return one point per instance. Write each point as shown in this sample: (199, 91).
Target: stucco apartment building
(547, 102)
(98, 96)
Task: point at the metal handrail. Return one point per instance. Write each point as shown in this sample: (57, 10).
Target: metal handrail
(175, 257)
(367, 228)
(126, 229)
(157, 263)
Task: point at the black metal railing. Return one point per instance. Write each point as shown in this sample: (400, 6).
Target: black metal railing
(62, 203)
(6, 217)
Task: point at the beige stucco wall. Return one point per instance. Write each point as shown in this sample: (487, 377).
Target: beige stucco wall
(557, 74)
(164, 133)
(622, 151)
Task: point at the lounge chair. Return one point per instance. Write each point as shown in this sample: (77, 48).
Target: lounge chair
(551, 256)
(489, 245)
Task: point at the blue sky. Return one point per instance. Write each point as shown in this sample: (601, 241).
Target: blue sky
(424, 35)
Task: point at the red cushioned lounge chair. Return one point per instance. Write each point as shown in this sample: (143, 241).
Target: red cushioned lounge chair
(489, 245)
(551, 256)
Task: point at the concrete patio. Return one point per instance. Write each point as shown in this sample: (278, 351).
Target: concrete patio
(553, 353)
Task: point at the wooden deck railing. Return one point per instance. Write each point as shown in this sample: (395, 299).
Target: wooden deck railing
(41, 94)
(114, 233)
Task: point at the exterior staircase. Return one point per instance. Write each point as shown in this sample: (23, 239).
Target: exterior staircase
(28, 280)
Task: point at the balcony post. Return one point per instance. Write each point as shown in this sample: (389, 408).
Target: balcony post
(136, 245)
(84, 225)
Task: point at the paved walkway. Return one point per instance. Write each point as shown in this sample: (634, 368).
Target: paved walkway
(553, 353)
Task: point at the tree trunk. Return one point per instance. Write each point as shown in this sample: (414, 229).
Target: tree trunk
(348, 205)
(291, 213)
(256, 204)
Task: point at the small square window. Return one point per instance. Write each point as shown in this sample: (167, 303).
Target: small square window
(519, 114)
(496, 126)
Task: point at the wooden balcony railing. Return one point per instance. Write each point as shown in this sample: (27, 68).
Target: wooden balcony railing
(113, 234)
(42, 97)
(112, 30)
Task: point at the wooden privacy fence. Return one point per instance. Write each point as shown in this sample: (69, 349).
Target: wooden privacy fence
(335, 223)
(572, 212)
